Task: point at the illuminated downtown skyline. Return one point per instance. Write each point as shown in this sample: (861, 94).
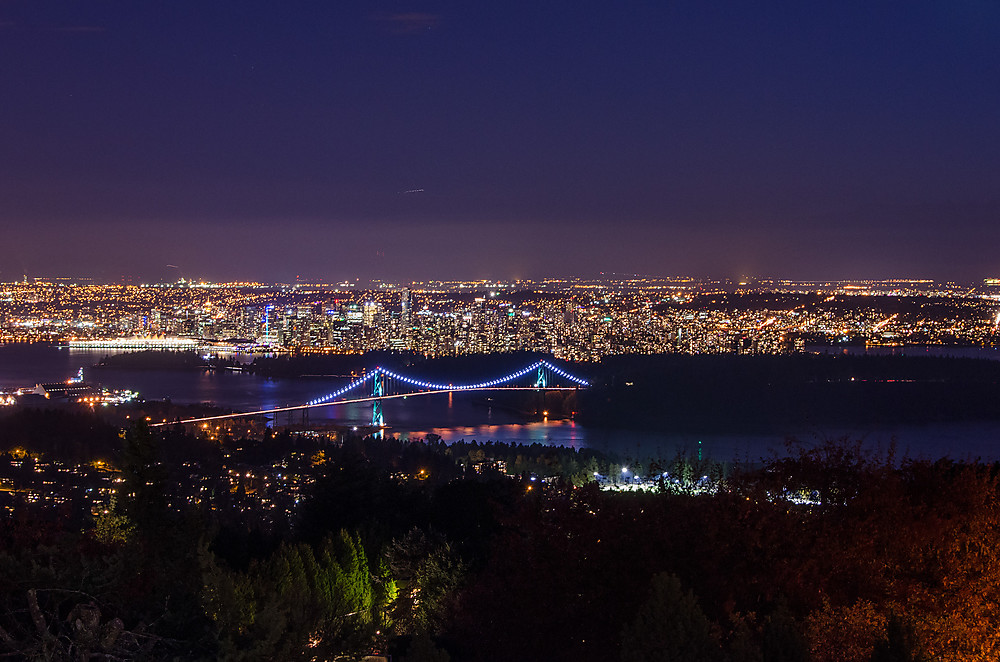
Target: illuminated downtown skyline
(572, 319)
(442, 140)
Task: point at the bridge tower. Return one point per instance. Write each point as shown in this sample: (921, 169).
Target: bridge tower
(378, 390)
(540, 381)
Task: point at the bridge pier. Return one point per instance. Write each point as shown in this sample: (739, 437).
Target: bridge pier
(378, 390)
(540, 381)
(541, 371)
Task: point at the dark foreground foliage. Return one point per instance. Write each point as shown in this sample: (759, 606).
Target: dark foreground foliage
(430, 552)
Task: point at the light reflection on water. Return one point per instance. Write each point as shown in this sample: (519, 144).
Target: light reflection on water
(548, 433)
(460, 416)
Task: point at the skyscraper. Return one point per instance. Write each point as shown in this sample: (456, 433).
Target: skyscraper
(404, 302)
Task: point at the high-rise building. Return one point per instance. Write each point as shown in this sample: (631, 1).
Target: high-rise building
(370, 314)
(404, 303)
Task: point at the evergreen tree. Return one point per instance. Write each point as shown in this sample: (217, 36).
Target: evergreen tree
(783, 641)
(423, 649)
(296, 604)
(669, 626)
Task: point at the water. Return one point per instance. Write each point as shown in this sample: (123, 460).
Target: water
(24, 364)
(465, 416)
(946, 351)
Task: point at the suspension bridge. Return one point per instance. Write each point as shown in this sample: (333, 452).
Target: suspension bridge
(540, 376)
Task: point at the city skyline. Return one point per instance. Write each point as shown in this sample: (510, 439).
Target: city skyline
(574, 320)
(440, 140)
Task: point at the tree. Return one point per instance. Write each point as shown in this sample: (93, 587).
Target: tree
(782, 641)
(295, 604)
(82, 634)
(423, 649)
(899, 645)
(111, 527)
(142, 491)
(428, 574)
(844, 634)
(669, 626)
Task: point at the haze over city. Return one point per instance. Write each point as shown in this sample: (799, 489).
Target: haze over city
(239, 141)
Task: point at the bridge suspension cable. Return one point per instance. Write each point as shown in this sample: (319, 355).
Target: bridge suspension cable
(430, 388)
(350, 387)
(538, 365)
(493, 382)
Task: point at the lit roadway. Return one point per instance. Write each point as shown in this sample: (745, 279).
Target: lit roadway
(370, 398)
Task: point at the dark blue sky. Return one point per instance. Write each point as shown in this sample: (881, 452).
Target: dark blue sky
(448, 140)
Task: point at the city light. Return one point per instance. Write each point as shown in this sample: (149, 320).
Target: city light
(573, 319)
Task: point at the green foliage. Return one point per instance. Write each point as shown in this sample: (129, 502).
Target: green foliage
(353, 494)
(436, 580)
(141, 494)
(428, 574)
(831, 473)
(669, 626)
(688, 474)
(423, 649)
(915, 539)
(783, 640)
(386, 592)
(576, 465)
(112, 527)
(742, 646)
(297, 604)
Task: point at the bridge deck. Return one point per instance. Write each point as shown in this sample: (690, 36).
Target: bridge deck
(370, 398)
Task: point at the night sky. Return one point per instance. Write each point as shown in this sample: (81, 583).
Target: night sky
(339, 139)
